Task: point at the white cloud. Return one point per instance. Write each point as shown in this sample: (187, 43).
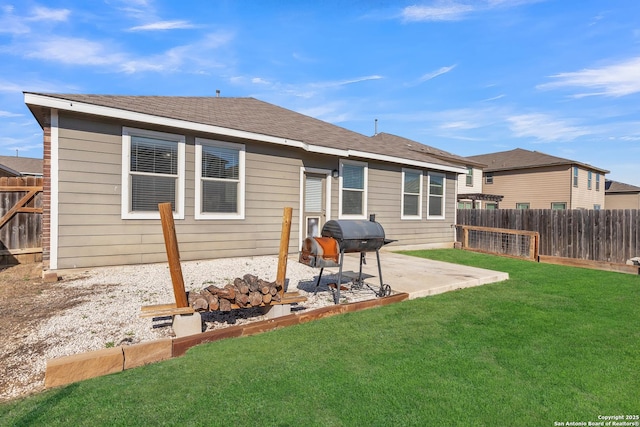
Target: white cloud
(163, 25)
(495, 98)
(441, 11)
(332, 112)
(459, 125)
(11, 24)
(9, 114)
(545, 128)
(613, 80)
(73, 51)
(345, 82)
(10, 87)
(259, 81)
(449, 10)
(42, 13)
(14, 24)
(440, 71)
(85, 52)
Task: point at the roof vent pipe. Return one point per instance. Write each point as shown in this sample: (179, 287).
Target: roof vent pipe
(375, 127)
(217, 93)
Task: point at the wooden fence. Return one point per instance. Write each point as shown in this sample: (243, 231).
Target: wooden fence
(20, 219)
(596, 235)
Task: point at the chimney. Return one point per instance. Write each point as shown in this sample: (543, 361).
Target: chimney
(217, 93)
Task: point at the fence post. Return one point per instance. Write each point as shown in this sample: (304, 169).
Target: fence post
(465, 237)
(173, 255)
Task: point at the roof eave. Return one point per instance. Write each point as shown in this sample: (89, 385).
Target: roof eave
(39, 100)
(511, 168)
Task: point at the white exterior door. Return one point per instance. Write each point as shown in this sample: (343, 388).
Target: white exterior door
(314, 202)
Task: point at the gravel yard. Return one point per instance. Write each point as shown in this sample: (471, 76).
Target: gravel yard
(98, 308)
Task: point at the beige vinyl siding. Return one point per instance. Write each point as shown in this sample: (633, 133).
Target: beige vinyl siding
(385, 200)
(539, 187)
(91, 231)
(477, 182)
(581, 196)
(621, 200)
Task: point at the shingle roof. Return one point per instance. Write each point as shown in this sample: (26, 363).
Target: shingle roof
(21, 165)
(255, 116)
(405, 147)
(525, 159)
(619, 187)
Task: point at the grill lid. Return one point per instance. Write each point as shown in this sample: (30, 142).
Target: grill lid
(355, 235)
(352, 229)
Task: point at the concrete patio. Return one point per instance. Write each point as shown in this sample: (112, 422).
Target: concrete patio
(419, 277)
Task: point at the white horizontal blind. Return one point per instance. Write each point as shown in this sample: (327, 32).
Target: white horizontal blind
(313, 194)
(220, 179)
(411, 193)
(436, 195)
(352, 189)
(154, 173)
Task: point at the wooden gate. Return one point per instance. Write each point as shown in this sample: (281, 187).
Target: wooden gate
(20, 220)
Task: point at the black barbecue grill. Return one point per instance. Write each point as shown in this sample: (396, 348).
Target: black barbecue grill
(345, 236)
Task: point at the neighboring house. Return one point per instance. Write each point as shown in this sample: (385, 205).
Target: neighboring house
(535, 180)
(469, 188)
(621, 196)
(228, 166)
(470, 194)
(13, 166)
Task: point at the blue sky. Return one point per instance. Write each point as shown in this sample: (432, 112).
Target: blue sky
(469, 77)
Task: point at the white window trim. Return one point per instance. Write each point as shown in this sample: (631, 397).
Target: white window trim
(444, 194)
(127, 132)
(402, 192)
(198, 181)
(365, 191)
(54, 220)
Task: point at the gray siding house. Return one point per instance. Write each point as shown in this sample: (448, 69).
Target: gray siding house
(228, 166)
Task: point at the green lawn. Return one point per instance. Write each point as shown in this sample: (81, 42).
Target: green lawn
(552, 344)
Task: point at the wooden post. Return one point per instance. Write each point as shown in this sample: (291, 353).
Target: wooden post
(284, 248)
(173, 255)
(465, 237)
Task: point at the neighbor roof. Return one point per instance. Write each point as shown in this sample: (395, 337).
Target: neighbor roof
(525, 159)
(619, 187)
(249, 117)
(21, 165)
(406, 147)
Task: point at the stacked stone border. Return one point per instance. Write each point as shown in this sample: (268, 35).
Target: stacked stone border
(79, 367)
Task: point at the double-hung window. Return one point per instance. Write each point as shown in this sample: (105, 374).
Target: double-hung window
(488, 178)
(152, 173)
(589, 180)
(597, 182)
(469, 176)
(353, 189)
(435, 202)
(411, 194)
(575, 176)
(220, 177)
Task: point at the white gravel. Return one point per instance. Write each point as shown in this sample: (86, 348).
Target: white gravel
(109, 316)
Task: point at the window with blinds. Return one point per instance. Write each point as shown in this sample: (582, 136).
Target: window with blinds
(313, 194)
(353, 190)
(154, 173)
(435, 207)
(411, 194)
(220, 179)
